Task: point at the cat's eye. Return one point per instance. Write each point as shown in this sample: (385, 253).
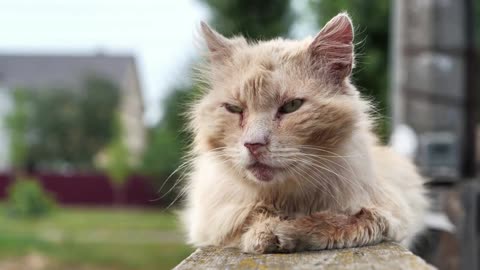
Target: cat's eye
(232, 108)
(291, 106)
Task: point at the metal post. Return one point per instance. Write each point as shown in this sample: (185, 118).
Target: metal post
(469, 141)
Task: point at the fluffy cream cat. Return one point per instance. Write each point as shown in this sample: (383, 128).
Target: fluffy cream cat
(284, 158)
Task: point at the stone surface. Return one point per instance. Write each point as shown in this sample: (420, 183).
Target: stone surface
(382, 256)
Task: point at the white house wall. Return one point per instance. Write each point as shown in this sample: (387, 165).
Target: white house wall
(6, 106)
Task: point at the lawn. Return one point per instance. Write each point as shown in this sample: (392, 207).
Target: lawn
(73, 238)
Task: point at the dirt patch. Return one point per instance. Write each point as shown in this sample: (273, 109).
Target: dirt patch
(35, 261)
(32, 261)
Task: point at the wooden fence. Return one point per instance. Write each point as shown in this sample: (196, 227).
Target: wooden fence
(91, 189)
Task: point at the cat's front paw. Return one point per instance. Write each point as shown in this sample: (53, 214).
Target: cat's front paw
(260, 239)
(287, 240)
(259, 243)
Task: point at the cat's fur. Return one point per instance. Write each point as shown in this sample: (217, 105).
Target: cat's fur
(332, 185)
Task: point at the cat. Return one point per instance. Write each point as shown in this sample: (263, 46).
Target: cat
(284, 157)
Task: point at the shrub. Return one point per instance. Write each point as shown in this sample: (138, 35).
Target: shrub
(28, 199)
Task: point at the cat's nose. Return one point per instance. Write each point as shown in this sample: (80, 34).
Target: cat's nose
(254, 148)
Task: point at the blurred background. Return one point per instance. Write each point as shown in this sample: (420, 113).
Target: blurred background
(91, 96)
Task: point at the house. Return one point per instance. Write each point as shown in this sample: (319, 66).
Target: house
(6, 105)
(43, 71)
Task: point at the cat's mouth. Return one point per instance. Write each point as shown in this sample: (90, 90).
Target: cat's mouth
(262, 171)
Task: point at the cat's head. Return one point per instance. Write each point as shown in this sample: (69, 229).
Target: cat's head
(272, 107)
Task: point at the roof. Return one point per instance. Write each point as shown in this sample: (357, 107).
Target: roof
(41, 71)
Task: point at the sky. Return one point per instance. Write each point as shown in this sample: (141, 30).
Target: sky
(159, 33)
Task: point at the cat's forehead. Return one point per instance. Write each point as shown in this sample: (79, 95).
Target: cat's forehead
(261, 83)
(270, 54)
(264, 63)
(258, 85)
(264, 74)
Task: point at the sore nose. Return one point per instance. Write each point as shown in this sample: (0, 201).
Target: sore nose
(254, 147)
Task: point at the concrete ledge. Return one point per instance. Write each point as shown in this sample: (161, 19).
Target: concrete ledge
(382, 256)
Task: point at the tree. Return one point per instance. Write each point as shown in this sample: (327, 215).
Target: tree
(26, 196)
(168, 142)
(116, 163)
(254, 19)
(371, 73)
(69, 126)
(17, 125)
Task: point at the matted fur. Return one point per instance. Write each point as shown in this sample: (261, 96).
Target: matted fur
(332, 185)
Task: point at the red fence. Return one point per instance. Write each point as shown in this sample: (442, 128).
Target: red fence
(91, 189)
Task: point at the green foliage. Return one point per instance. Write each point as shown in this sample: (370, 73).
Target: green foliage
(17, 125)
(27, 199)
(255, 19)
(168, 142)
(371, 73)
(164, 152)
(69, 126)
(117, 164)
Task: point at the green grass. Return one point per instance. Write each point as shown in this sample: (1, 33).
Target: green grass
(100, 238)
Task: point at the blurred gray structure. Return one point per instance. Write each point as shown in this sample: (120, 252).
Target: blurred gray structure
(433, 80)
(70, 71)
(431, 84)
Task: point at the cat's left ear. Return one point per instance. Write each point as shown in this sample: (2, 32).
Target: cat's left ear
(332, 49)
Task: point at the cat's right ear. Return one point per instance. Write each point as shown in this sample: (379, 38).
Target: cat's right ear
(332, 49)
(219, 46)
